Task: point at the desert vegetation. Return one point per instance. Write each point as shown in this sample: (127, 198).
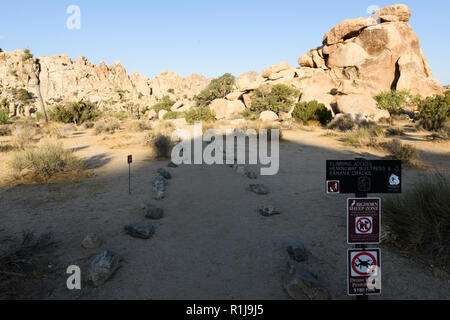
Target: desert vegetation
(280, 98)
(420, 219)
(45, 161)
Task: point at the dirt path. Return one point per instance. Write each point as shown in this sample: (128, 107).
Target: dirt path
(211, 244)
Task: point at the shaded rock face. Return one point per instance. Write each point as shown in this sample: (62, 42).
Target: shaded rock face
(365, 56)
(62, 79)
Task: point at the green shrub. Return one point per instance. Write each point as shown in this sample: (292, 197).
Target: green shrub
(174, 115)
(199, 114)
(4, 104)
(4, 115)
(75, 112)
(38, 115)
(121, 115)
(218, 88)
(420, 218)
(434, 111)
(396, 101)
(172, 91)
(165, 104)
(280, 99)
(46, 160)
(312, 111)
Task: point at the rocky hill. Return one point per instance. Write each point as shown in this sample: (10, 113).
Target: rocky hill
(358, 59)
(62, 79)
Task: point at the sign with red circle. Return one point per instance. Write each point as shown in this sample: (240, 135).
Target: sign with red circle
(363, 220)
(364, 272)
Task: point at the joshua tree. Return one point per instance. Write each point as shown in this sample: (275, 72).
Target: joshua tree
(35, 66)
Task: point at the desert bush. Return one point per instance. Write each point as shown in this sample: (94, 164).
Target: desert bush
(431, 124)
(4, 116)
(364, 137)
(162, 145)
(217, 89)
(165, 104)
(312, 111)
(23, 135)
(435, 110)
(89, 125)
(421, 217)
(46, 160)
(5, 130)
(395, 101)
(106, 126)
(280, 98)
(75, 112)
(199, 114)
(395, 131)
(342, 123)
(174, 115)
(139, 125)
(121, 115)
(407, 153)
(64, 131)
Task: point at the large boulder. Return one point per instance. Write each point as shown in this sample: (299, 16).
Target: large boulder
(360, 107)
(363, 57)
(225, 109)
(249, 81)
(268, 116)
(275, 68)
(400, 11)
(347, 29)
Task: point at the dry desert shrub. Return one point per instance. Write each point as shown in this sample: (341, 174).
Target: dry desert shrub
(23, 135)
(106, 127)
(45, 160)
(420, 218)
(407, 153)
(364, 137)
(139, 125)
(342, 124)
(395, 131)
(5, 130)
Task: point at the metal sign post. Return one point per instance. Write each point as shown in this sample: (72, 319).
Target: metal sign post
(360, 177)
(130, 161)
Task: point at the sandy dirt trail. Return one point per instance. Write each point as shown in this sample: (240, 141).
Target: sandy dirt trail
(212, 243)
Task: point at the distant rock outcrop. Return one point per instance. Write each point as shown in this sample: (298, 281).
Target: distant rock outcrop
(62, 79)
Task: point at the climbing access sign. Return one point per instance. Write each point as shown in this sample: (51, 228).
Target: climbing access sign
(364, 272)
(363, 220)
(364, 176)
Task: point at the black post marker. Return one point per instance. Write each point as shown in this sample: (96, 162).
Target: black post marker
(130, 160)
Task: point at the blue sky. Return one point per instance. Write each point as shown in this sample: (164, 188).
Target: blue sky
(203, 36)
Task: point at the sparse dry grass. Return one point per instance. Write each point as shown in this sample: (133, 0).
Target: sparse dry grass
(364, 137)
(110, 127)
(45, 161)
(421, 218)
(23, 135)
(407, 153)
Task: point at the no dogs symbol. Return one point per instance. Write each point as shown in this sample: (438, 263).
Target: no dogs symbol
(364, 225)
(364, 264)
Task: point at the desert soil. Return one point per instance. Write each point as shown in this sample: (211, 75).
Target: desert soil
(212, 243)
